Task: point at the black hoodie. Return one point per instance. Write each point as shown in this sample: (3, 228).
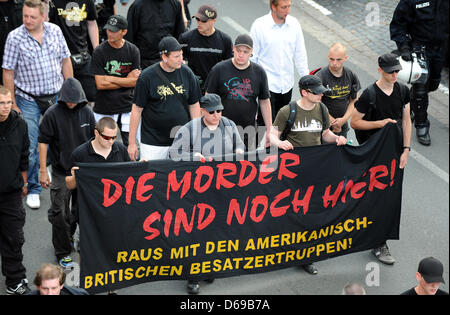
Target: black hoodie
(14, 151)
(64, 129)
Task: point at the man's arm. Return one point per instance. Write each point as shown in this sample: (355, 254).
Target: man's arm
(43, 178)
(337, 123)
(110, 82)
(71, 182)
(8, 82)
(266, 112)
(93, 33)
(329, 137)
(136, 113)
(358, 123)
(67, 69)
(407, 129)
(194, 110)
(275, 140)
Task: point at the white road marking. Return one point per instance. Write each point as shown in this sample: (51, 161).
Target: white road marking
(239, 28)
(322, 9)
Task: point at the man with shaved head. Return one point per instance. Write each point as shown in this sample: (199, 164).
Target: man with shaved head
(344, 85)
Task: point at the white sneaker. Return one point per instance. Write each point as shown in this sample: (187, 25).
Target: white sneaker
(33, 201)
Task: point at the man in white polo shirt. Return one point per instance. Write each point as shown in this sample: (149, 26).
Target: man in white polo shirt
(278, 45)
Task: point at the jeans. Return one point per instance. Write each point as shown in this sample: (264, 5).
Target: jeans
(31, 114)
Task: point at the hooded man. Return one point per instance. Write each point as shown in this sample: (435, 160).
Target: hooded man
(64, 127)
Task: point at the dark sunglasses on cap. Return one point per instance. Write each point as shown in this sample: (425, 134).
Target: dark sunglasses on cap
(218, 111)
(107, 138)
(396, 71)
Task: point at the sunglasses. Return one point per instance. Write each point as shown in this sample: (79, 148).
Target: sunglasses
(198, 20)
(218, 111)
(107, 138)
(307, 90)
(396, 71)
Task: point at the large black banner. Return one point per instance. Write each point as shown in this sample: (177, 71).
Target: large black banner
(164, 220)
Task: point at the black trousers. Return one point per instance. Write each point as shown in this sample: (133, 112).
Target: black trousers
(419, 92)
(12, 221)
(277, 100)
(62, 217)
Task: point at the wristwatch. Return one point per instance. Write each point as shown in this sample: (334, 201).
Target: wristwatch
(409, 148)
(25, 185)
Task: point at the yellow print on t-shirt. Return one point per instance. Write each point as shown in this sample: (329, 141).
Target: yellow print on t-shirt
(164, 90)
(73, 13)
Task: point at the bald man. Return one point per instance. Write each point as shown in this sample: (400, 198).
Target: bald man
(344, 85)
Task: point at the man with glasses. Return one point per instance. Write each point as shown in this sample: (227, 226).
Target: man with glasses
(206, 45)
(102, 148)
(242, 86)
(389, 104)
(64, 127)
(310, 126)
(14, 146)
(210, 137)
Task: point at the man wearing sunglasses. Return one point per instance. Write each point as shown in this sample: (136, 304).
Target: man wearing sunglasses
(390, 104)
(64, 127)
(211, 136)
(310, 127)
(102, 148)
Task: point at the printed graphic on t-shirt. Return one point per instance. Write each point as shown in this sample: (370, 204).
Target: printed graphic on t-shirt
(164, 90)
(114, 67)
(338, 91)
(239, 89)
(73, 13)
(311, 126)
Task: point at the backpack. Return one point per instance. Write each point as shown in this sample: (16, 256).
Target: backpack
(293, 113)
(363, 135)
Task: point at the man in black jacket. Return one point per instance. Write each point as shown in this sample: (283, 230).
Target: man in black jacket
(151, 20)
(417, 24)
(63, 128)
(14, 146)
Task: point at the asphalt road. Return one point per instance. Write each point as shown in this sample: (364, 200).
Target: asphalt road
(425, 208)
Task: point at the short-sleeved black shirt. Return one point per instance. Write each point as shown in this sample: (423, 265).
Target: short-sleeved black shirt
(85, 154)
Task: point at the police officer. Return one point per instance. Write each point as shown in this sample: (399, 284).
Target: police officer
(418, 24)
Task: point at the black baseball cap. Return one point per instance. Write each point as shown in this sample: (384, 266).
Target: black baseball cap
(312, 83)
(431, 270)
(168, 44)
(245, 40)
(116, 23)
(205, 13)
(211, 102)
(389, 63)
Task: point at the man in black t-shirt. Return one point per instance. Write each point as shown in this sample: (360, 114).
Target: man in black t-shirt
(115, 65)
(390, 107)
(77, 20)
(206, 45)
(344, 86)
(429, 278)
(102, 148)
(151, 20)
(241, 84)
(167, 95)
